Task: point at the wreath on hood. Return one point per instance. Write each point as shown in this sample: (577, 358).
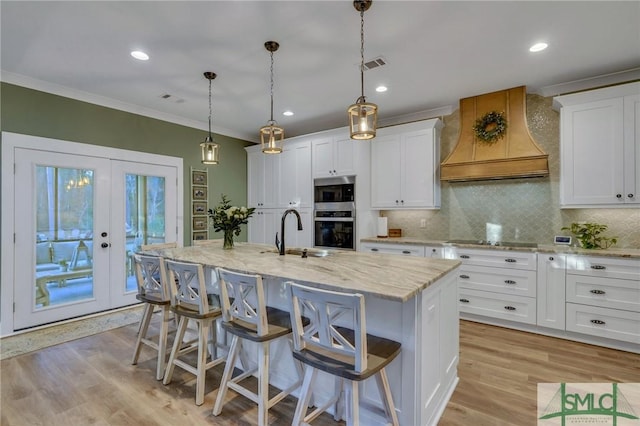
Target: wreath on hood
(490, 127)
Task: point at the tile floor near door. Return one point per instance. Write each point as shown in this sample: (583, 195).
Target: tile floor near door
(90, 381)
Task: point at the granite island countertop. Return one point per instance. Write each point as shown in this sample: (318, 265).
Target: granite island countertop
(629, 253)
(396, 278)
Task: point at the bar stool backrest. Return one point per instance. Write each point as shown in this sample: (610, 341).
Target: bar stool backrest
(337, 323)
(243, 300)
(151, 276)
(188, 286)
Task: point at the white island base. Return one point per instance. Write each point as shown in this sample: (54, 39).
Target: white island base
(418, 307)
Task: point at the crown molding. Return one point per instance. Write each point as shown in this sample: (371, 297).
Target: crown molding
(626, 76)
(79, 95)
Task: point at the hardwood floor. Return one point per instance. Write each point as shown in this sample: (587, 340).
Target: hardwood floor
(90, 381)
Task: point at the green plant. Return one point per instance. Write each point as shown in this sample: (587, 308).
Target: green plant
(589, 235)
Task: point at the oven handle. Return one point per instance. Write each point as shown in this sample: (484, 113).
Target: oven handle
(333, 219)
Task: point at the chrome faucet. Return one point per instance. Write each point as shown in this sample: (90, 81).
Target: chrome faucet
(280, 245)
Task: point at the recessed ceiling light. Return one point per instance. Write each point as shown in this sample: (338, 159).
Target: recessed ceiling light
(381, 89)
(288, 113)
(140, 55)
(538, 47)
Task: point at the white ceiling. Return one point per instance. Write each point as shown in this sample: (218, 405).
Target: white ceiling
(437, 53)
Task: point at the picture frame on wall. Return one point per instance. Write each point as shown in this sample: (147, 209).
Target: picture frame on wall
(199, 223)
(199, 208)
(198, 178)
(199, 193)
(200, 236)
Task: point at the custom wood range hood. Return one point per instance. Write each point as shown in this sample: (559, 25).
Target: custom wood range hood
(515, 155)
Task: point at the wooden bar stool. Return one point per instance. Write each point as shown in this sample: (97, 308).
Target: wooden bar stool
(345, 352)
(246, 316)
(153, 291)
(190, 301)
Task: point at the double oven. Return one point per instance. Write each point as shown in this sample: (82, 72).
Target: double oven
(335, 212)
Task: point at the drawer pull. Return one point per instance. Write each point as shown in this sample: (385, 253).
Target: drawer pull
(374, 249)
(599, 267)
(598, 322)
(406, 252)
(510, 308)
(464, 256)
(509, 260)
(509, 282)
(464, 300)
(466, 277)
(597, 291)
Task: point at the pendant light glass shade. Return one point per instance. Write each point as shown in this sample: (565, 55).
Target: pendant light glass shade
(271, 135)
(363, 115)
(210, 150)
(272, 138)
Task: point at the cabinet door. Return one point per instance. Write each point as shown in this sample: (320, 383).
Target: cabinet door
(261, 175)
(385, 172)
(343, 156)
(632, 149)
(417, 174)
(262, 226)
(323, 157)
(551, 290)
(295, 176)
(592, 153)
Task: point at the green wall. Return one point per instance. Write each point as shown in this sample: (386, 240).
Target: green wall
(36, 113)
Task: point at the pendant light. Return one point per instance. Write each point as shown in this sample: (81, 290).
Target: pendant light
(271, 135)
(363, 116)
(210, 149)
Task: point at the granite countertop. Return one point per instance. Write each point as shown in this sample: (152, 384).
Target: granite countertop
(631, 253)
(396, 278)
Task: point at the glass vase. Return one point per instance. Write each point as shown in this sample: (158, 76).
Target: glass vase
(228, 240)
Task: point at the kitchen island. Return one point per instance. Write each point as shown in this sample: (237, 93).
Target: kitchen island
(410, 300)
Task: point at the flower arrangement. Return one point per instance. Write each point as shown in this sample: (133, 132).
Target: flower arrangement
(589, 235)
(228, 218)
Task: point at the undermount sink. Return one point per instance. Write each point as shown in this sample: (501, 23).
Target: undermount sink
(297, 251)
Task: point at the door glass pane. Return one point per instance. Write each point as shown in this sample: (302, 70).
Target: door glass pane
(64, 235)
(144, 217)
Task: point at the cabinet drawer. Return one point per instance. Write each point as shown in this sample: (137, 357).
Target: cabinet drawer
(604, 292)
(499, 280)
(503, 306)
(603, 322)
(607, 267)
(403, 249)
(495, 258)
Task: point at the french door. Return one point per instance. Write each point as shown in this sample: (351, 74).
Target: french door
(78, 220)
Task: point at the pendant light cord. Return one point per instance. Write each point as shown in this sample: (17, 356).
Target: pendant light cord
(210, 108)
(271, 85)
(362, 54)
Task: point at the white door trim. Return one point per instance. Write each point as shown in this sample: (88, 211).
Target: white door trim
(11, 141)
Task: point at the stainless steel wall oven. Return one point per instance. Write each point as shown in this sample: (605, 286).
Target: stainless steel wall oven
(335, 213)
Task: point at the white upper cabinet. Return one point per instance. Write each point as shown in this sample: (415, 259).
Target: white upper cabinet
(600, 147)
(405, 166)
(334, 155)
(261, 175)
(296, 186)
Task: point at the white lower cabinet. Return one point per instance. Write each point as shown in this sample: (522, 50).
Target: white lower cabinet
(497, 283)
(551, 290)
(603, 297)
(418, 250)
